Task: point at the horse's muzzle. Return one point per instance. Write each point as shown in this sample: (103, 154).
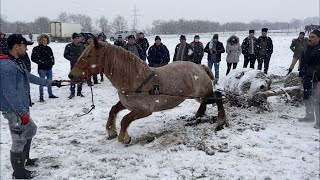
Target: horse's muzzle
(71, 76)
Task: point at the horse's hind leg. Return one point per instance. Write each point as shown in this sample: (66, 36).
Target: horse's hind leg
(111, 123)
(202, 110)
(221, 120)
(127, 119)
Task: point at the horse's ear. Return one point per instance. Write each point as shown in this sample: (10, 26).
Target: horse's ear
(96, 43)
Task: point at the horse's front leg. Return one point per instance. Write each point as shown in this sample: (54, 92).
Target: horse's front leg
(111, 123)
(127, 119)
(222, 119)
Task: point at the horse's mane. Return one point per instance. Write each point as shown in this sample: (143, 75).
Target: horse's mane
(123, 68)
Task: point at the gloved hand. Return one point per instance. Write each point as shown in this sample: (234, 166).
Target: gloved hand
(56, 83)
(25, 118)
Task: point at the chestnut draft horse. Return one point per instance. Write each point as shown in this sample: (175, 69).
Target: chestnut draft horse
(144, 90)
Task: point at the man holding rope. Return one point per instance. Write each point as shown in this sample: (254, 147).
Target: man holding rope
(15, 82)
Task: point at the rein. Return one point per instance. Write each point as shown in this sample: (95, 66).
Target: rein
(92, 105)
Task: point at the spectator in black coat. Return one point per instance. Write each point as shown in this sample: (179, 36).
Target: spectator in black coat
(72, 52)
(310, 76)
(43, 56)
(3, 43)
(143, 43)
(198, 49)
(264, 50)
(247, 47)
(158, 54)
(183, 50)
(120, 42)
(133, 47)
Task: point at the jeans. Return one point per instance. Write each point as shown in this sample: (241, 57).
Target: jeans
(216, 64)
(43, 74)
(19, 133)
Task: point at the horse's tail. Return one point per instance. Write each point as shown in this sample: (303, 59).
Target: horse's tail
(208, 71)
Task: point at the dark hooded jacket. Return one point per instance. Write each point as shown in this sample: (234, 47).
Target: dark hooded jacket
(158, 55)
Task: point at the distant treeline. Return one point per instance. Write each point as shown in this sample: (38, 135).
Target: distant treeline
(183, 26)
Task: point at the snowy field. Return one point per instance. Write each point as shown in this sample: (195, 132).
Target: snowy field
(257, 145)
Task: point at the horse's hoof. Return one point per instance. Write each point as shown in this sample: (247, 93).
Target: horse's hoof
(112, 136)
(127, 141)
(219, 128)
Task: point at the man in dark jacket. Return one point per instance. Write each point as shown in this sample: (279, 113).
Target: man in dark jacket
(158, 54)
(143, 43)
(72, 52)
(310, 74)
(214, 48)
(43, 56)
(247, 48)
(133, 47)
(198, 49)
(120, 42)
(3, 43)
(298, 46)
(264, 50)
(183, 50)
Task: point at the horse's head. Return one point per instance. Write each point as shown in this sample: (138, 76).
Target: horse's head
(88, 63)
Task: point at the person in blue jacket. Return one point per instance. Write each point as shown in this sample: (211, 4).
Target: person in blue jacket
(15, 82)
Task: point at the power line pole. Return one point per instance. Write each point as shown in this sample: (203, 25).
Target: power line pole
(135, 18)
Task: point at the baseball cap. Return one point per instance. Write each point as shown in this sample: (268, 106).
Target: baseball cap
(17, 39)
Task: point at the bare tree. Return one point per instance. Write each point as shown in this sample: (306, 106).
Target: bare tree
(119, 23)
(23, 27)
(104, 24)
(63, 17)
(295, 23)
(41, 25)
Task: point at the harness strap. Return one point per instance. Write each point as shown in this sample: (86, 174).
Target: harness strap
(146, 80)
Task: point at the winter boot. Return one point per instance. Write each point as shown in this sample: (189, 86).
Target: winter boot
(79, 94)
(53, 96)
(41, 99)
(290, 70)
(18, 165)
(71, 95)
(101, 77)
(29, 162)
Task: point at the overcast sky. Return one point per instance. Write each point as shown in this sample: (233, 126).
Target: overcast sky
(149, 10)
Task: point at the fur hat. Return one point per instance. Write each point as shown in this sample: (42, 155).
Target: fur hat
(264, 29)
(215, 36)
(75, 35)
(251, 31)
(183, 37)
(131, 37)
(316, 32)
(196, 36)
(157, 38)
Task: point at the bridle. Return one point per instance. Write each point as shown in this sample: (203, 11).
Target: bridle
(88, 74)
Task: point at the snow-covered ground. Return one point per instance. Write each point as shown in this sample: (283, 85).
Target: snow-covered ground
(257, 145)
